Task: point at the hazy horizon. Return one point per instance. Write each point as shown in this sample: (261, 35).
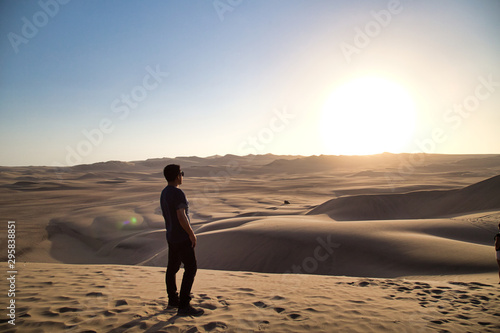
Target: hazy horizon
(87, 81)
(403, 161)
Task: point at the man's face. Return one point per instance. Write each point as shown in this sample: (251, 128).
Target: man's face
(180, 177)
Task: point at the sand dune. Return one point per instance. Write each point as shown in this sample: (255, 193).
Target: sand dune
(318, 245)
(482, 196)
(298, 244)
(284, 239)
(348, 255)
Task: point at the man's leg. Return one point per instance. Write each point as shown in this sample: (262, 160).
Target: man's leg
(174, 263)
(188, 258)
(498, 262)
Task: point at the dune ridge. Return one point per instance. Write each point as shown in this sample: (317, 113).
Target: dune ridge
(481, 196)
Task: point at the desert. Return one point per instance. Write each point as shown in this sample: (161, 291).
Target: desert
(249, 166)
(285, 244)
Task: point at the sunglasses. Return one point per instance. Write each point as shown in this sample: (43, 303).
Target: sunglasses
(181, 173)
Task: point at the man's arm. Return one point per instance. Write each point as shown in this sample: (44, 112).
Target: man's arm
(497, 243)
(183, 220)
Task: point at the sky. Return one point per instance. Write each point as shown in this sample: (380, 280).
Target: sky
(91, 81)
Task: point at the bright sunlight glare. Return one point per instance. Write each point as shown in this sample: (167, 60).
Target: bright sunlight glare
(367, 115)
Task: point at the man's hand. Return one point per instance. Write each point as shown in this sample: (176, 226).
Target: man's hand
(193, 239)
(184, 222)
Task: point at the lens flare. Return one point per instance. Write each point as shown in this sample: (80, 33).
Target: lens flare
(132, 221)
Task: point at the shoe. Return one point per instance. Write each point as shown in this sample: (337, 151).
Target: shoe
(190, 311)
(173, 303)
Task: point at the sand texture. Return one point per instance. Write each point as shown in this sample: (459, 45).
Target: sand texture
(400, 243)
(111, 298)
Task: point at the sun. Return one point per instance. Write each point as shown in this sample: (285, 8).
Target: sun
(367, 115)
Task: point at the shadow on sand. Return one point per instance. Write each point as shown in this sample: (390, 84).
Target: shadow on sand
(141, 322)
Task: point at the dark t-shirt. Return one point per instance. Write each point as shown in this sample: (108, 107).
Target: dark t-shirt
(497, 235)
(172, 199)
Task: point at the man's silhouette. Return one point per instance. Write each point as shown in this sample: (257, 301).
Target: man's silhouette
(181, 242)
(497, 249)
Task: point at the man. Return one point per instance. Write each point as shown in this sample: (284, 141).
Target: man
(497, 249)
(181, 242)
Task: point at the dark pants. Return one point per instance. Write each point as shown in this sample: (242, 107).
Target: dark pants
(180, 253)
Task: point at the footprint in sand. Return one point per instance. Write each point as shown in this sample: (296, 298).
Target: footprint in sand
(311, 310)
(108, 313)
(475, 301)
(263, 325)
(295, 316)
(222, 301)
(204, 296)
(260, 304)
(461, 316)
(25, 315)
(120, 302)
(208, 306)
(207, 302)
(423, 304)
(213, 325)
(484, 323)
(95, 294)
(437, 291)
(68, 309)
(278, 298)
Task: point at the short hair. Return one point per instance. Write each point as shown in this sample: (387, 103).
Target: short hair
(171, 172)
